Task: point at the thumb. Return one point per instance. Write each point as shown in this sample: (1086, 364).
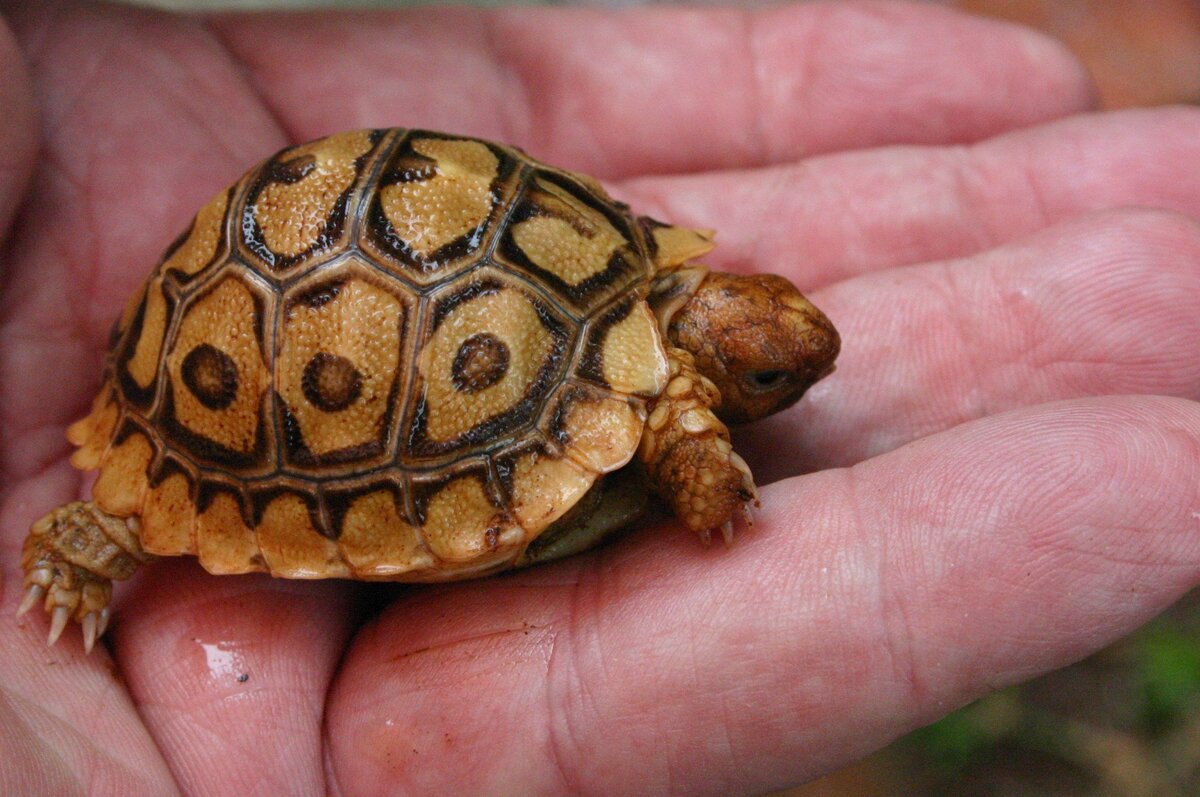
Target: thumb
(18, 131)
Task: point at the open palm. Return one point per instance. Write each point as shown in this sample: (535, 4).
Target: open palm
(1003, 475)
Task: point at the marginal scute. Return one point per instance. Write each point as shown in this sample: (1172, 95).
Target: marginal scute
(122, 482)
(632, 359)
(168, 518)
(224, 543)
(674, 246)
(225, 320)
(93, 433)
(350, 329)
(377, 542)
(599, 431)
(462, 524)
(544, 488)
(291, 546)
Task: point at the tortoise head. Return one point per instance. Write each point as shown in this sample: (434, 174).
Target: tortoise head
(758, 339)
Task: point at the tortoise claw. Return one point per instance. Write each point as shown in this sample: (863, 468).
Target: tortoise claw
(33, 596)
(727, 533)
(90, 624)
(78, 587)
(58, 622)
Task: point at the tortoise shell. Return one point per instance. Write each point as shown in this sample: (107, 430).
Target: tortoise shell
(385, 354)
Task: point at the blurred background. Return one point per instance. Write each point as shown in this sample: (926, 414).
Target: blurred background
(1125, 722)
(1141, 51)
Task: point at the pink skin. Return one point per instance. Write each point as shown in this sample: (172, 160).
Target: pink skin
(983, 506)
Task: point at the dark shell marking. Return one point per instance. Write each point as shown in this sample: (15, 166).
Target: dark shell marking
(331, 383)
(211, 375)
(482, 361)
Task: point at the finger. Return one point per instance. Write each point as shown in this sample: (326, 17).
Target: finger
(663, 90)
(866, 602)
(66, 722)
(144, 120)
(18, 132)
(63, 721)
(832, 217)
(18, 145)
(206, 659)
(1109, 303)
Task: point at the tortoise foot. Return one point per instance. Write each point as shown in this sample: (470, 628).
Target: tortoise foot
(68, 592)
(70, 559)
(688, 458)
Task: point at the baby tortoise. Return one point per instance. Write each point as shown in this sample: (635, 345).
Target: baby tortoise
(404, 355)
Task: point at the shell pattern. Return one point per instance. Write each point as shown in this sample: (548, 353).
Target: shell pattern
(382, 354)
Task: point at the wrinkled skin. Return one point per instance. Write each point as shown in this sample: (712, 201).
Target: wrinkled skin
(760, 341)
(1002, 476)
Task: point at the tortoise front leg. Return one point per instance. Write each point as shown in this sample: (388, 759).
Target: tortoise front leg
(688, 457)
(71, 557)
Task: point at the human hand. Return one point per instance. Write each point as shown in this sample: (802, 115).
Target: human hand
(985, 490)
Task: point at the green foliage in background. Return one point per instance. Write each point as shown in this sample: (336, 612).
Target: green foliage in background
(1168, 671)
(1133, 731)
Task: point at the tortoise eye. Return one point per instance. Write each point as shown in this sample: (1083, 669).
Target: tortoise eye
(766, 380)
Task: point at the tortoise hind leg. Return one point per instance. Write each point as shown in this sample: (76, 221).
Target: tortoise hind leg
(686, 450)
(70, 558)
